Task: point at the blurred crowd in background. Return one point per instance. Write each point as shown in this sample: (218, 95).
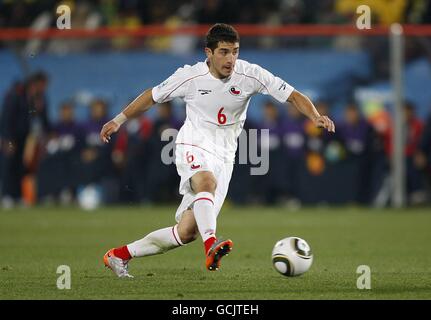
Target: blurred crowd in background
(132, 13)
(46, 162)
(87, 14)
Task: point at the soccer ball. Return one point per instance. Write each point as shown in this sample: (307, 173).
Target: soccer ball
(292, 256)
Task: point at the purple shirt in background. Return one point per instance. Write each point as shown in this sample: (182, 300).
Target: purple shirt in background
(293, 136)
(68, 136)
(354, 136)
(275, 134)
(91, 130)
(67, 128)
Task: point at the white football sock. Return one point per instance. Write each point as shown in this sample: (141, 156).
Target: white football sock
(203, 209)
(156, 242)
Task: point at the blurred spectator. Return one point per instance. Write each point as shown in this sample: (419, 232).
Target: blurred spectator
(161, 180)
(322, 147)
(177, 44)
(244, 188)
(415, 186)
(1, 163)
(40, 15)
(414, 129)
(83, 16)
(16, 13)
(363, 148)
(61, 159)
(272, 184)
(122, 14)
(131, 158)
(211, 11)
(317, 138)
(418, 11)
(423, 155)
(22, 13)
(293, 139)
(183, 44)
(387, 11)
(24, 123)
(95, 165)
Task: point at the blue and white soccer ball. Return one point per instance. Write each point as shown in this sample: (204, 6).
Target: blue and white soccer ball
(292, 256)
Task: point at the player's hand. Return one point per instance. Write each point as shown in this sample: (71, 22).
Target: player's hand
(107, 130)
(324, 122)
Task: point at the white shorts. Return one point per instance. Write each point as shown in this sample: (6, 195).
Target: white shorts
(192, 159)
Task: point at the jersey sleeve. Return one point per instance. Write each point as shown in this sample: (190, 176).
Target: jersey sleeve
(173, 87)
(267, 83)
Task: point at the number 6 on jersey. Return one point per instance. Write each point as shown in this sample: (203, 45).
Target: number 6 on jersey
(221, 117)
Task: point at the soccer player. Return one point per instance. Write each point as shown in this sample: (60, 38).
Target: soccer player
(217, 93)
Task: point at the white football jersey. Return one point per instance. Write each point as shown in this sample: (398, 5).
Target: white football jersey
(216, 108)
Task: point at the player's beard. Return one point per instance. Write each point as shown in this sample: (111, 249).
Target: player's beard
(225, 72)
(222, 72)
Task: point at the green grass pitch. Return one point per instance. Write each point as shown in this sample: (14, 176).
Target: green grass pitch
(394, 244)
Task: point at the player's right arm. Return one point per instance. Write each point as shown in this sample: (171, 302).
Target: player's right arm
(141, 104)
(173, 87)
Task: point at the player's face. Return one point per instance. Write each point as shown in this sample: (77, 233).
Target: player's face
(222, 60)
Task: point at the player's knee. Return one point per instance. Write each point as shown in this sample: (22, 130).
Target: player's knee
(187, 227)
(207, 184)
(204, 181)
(189, 238)
(188, 235)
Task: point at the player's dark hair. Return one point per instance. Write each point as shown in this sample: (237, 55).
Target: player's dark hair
(220, 32)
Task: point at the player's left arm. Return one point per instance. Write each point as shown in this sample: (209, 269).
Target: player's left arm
(306, 107)
(267, 83)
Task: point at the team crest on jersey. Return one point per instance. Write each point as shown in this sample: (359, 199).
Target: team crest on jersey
(234, 90)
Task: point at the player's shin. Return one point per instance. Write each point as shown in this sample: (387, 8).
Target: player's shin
(156, 242)
(203, 209)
